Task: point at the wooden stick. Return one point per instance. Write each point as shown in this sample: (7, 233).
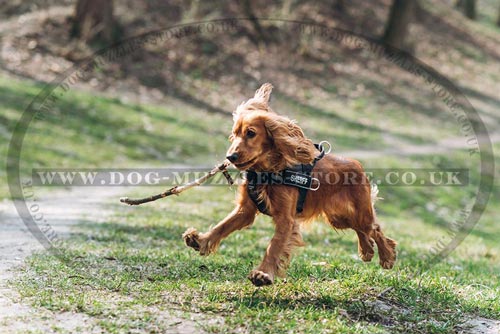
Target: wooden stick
(178, 189)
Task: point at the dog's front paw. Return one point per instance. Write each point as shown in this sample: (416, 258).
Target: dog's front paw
(260, 278)
(191, 238)
(199, 242)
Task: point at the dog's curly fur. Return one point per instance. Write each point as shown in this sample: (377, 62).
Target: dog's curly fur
(266, 141)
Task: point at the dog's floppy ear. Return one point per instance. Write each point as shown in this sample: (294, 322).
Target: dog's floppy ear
(264, 92)
(290, 145)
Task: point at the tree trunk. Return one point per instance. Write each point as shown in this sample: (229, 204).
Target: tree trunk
(402, 12)
(498, 18)
(93, 20)
(468, 8)
(259, 36)
(339, 6)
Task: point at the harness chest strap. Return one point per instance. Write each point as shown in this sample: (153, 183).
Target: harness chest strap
(298, 176)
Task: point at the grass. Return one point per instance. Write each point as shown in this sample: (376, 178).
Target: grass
(131, 272)
(137, 260)
(104, 132)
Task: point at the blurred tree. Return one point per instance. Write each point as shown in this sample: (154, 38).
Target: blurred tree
(260, 35)
(339, 5)
(401, 14)
(93, 21)
(498, 18)
(468, 8)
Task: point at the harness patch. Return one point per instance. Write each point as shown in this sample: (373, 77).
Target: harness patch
(298, 176)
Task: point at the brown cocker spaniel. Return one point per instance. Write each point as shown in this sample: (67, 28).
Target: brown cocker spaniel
(265, 143)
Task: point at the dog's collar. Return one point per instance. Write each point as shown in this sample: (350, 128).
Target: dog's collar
(298, 176)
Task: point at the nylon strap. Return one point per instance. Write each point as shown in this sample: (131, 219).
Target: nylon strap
(298, 176)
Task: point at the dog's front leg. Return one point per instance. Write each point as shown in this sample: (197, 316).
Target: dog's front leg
(278, 252)
(206, 243)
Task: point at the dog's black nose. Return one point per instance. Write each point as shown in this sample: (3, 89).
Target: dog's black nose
(233, 157)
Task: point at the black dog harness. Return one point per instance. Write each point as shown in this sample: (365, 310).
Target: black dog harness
(298, 176)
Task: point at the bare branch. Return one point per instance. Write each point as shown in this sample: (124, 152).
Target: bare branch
(178, 189)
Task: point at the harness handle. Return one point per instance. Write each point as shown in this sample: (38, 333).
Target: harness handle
(322, 149)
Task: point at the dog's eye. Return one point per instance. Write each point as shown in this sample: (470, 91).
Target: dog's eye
(250, 133)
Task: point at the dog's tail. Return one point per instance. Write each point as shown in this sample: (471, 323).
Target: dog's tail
(374, 193)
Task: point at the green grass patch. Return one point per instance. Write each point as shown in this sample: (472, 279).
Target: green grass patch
(131, 271)
(137, 261)
(84, 131)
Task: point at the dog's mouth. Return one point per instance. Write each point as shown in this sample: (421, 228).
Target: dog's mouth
(245, 164)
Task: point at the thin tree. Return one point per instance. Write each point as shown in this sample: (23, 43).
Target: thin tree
(339, 5)
(498, 17)
(93, 20)
(468, 8)
(400, 16)
(260, 35)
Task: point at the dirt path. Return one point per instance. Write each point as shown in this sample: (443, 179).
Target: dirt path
(405, 149)
(63, 209)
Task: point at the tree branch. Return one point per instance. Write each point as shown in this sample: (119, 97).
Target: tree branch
(178, 189)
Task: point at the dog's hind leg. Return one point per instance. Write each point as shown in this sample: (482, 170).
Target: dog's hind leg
(365, 246)
(386, 247)
(365, 243)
